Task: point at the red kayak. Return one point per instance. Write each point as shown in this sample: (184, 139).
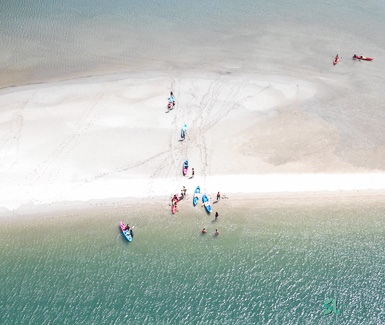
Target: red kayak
(174, 205)
(336, 60)
(360, 57)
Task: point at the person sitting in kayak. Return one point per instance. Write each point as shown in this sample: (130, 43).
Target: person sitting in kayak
(127, 227)
(355, 56)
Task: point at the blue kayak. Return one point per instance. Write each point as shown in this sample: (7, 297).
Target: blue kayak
(196, 195)
(126, 232)
(206, 203)
(184, 131)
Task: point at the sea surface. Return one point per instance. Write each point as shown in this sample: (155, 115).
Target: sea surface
(55, 40)
(272, 263)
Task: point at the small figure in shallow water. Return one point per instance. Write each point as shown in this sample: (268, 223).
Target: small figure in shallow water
(204, 231)
(216, 232)
(216, 215)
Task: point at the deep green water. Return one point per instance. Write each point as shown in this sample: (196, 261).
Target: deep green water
(269, 265)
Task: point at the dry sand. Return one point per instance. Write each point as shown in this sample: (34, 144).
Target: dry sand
(113, 137)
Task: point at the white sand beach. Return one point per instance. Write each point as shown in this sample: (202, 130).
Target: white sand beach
(113, 137)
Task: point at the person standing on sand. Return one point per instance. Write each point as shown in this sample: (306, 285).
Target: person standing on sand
(192, 174)
(218, 196)
(184, 191)
(173, 99)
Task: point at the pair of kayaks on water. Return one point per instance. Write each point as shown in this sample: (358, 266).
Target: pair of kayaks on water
(126, 232)
(355, 57)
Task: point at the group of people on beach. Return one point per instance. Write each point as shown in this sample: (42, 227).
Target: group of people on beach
(175, 200)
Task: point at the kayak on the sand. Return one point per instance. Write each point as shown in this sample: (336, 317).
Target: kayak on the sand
(196, 195)
(183, 131)
(185, 167)
(126, 231)
(360, 57)
(206, 203)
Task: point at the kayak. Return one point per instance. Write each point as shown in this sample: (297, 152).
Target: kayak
(206, 203)
(126, 233)
(360, 57)
(336, 60)
(171, 103)
(185, 167)
(196, 195)
(183, 131)
(174, 207)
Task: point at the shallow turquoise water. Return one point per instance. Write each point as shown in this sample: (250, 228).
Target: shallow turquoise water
(268, 265)
(64, 39)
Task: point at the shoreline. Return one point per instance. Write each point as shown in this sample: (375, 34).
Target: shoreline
(107, 206)
(258, 185)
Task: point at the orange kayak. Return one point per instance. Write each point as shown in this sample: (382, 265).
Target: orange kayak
(360, 57)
